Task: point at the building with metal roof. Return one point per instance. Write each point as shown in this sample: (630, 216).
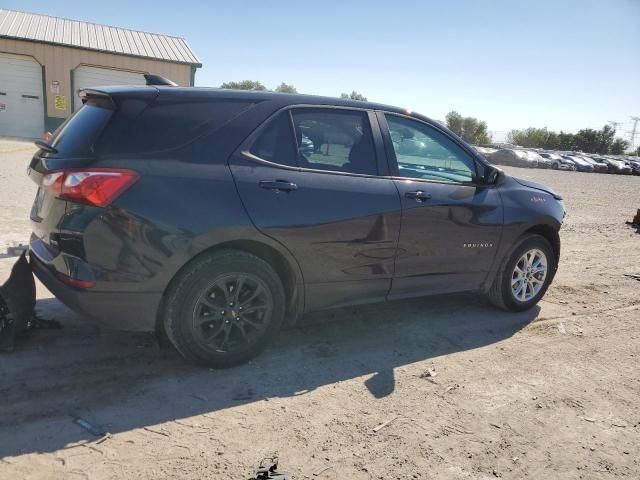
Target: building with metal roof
(45, 61)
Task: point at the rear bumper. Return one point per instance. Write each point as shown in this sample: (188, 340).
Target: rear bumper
(133, 311)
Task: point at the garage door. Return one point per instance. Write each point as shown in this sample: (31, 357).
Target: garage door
(87, 77)
(21, 99)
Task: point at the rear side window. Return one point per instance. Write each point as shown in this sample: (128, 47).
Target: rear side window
(334, 139)
(275, 143)
(139, 127)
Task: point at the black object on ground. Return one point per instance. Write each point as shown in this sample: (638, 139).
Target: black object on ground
(268, 471)
(17, 302)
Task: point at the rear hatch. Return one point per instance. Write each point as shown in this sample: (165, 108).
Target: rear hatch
(66, 163)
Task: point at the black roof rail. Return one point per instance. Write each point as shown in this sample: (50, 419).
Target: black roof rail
(153, 79)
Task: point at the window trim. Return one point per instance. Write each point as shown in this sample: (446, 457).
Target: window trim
(376, 134)
(391, 153)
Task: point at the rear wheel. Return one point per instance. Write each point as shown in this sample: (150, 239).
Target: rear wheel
(525, 276)
(224, 308)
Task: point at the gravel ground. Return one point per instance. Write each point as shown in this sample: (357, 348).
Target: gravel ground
(549, 393)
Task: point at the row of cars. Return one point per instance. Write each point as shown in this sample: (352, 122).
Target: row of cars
(578, 161)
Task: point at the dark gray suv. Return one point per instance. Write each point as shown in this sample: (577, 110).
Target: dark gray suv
(213, 216)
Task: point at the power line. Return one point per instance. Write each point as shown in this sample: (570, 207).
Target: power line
(633, 131)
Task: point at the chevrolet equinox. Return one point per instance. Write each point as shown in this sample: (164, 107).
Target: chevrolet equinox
(213, 216)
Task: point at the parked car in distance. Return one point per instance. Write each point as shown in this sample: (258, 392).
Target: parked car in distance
(486, 152)
(635, 165)
(581, 164)
(204, 214)
(539, 160)
(614, 166)
(598, 167)
(512, 157)
(557, 162)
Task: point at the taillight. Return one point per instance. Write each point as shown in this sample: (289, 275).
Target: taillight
(98, 187)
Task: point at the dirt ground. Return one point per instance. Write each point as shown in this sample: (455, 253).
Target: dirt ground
(550, 393)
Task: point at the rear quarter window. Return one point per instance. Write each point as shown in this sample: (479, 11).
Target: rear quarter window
(77, 134)
(137, 127)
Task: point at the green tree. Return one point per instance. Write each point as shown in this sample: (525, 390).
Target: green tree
(566, 141)
(285, 88)
(587, 140)
(529, 138)
(455, 122)
(353, 96)
(619, 146)
(470, 129)
(244, 85)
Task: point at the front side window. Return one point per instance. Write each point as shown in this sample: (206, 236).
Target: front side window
(424, 152)
(335, 140)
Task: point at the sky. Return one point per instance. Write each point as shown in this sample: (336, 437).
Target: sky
(560, 64)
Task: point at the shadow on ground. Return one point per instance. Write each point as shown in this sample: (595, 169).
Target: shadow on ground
(124, 381)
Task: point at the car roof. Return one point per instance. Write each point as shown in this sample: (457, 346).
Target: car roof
(251, 95)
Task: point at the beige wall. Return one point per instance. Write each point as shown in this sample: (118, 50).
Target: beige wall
(59, 61)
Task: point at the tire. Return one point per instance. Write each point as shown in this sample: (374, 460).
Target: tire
(501, 293)
(554, 166)
(224, 308)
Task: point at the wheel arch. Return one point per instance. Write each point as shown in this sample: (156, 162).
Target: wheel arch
(551, 235)
(545, 230)
(289, 273)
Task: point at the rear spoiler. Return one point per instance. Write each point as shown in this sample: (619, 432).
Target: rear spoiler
(107, 97)
(158, 80)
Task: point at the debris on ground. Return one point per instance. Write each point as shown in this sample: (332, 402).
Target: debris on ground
(635, 223)
(268, 470)
(635, 276)
(429, 373)
(92, 429)
(382, 425)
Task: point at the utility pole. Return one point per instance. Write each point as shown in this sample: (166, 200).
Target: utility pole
(632, 142)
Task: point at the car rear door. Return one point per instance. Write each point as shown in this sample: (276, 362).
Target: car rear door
(451, 222)
(313, 178)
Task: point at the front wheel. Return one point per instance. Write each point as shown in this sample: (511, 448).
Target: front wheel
(224, 308)
(525, 276)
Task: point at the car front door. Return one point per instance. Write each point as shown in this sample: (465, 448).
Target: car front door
(451, 221)
(315, 180)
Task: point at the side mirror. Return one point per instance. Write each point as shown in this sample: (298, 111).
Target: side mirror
(492, 175)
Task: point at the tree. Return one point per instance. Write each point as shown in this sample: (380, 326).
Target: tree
(353, 96)
(566, 141)
(284, 88)
(586, 140)
(244, 85)
(470, 129)
(619, 146)
(529, 138)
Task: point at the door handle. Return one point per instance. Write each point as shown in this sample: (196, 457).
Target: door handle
(278, 185)
(418, 195)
